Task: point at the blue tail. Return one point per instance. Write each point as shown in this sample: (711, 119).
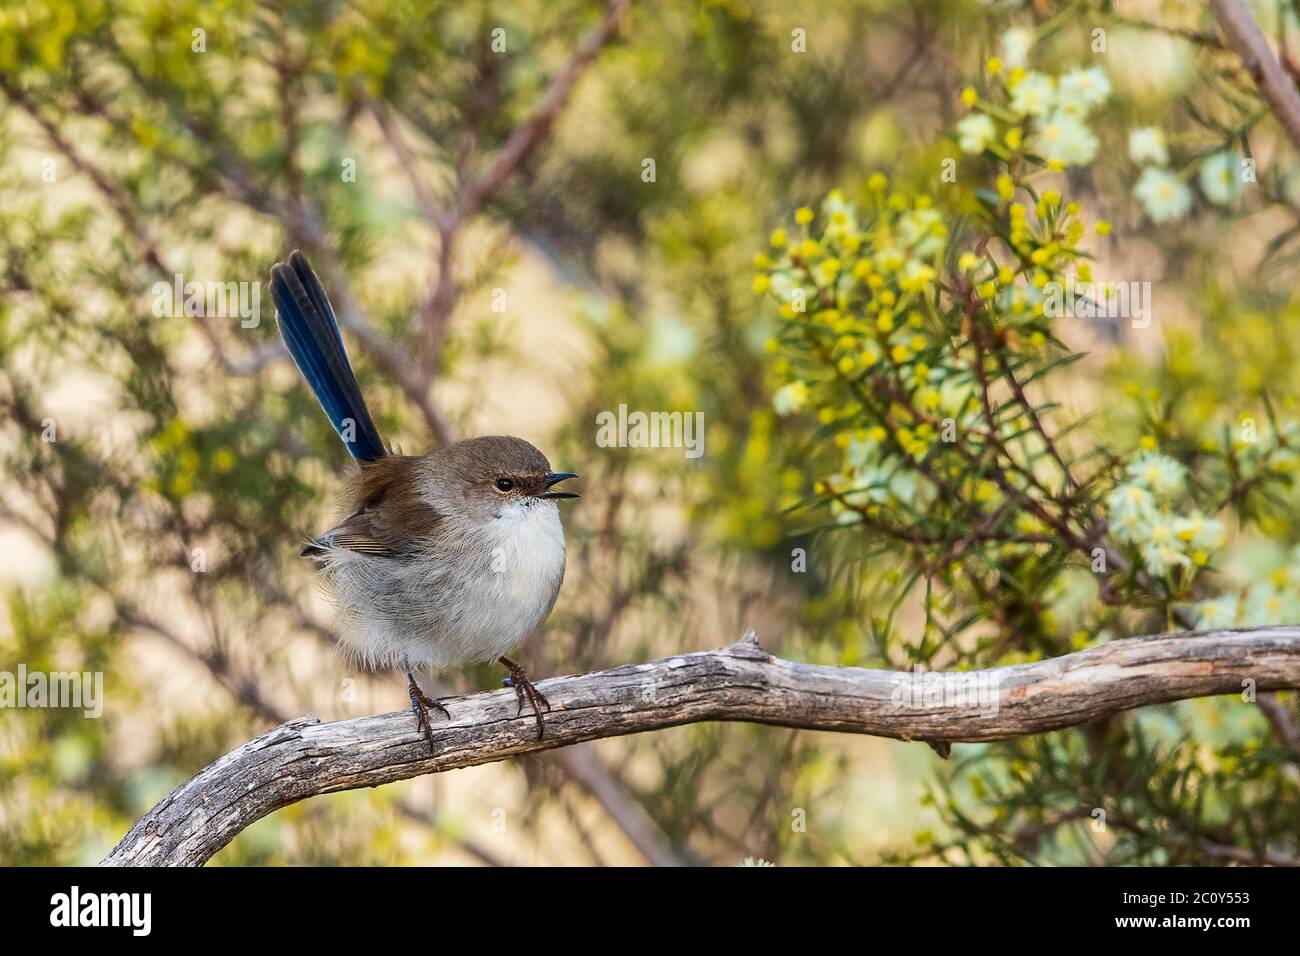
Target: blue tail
(311, 331)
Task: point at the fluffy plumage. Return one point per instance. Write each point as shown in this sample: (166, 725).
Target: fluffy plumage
(434, 565)
(440, 559)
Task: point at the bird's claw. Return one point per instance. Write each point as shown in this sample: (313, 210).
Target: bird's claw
(421, 704)
(526, 690)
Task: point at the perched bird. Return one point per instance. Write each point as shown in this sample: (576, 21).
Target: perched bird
(443, 559)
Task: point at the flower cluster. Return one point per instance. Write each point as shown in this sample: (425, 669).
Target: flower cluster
(1267, 601)
(1033, 114)
(1142, 514)
(856, 300)
(1164, 194)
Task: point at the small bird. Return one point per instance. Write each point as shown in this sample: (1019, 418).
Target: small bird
(443, 559)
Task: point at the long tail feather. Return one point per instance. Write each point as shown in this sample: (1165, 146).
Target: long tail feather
(311, 331)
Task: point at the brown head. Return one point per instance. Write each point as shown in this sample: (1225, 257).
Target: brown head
(489, 472)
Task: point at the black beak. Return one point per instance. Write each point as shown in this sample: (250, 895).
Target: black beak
(554, 478)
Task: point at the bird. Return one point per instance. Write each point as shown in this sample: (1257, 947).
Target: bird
(443, 559)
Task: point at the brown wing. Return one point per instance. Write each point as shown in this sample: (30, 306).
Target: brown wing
(390, 516)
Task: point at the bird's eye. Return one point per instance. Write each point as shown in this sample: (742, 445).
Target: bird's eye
(504, 484)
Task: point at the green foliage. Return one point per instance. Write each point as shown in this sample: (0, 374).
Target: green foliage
(185, 441)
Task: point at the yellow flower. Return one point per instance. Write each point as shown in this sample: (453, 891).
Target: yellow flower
(1015, 136)
(762, 262)
(1006, 187)
(885, 321)
(803, 215)
(1103, 227)
(778, 238)
(877, 182)
(809, 248)
(969, 96)
(993, 66)
(223, 460)
(762, 283)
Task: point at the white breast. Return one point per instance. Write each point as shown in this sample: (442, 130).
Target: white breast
(451, 608)
(525, 568)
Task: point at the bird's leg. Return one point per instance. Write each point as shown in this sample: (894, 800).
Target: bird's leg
(524, 688)
(421, 703)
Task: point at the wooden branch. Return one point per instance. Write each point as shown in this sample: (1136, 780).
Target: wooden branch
(1275, 85)
(304, 757)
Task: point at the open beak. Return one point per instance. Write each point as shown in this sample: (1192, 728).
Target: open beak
(554, 478)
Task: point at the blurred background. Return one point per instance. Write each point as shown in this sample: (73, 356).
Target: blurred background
(527, 213)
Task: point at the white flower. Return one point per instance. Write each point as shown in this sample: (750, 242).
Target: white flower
(1160, 473)
(1216, 612)
(1221, 177)
(1131, 511)
(1161, 532)
(1063, 137)
(976, 132)
(1200, 533)
(1080, 90)
(1162, 194)
(861, 451)
(1016, 44)
(1265, 604)
(1146, 144)
(1033, 95)
(783, 286)
(916, 229)
(1161, 558)
(790, 398)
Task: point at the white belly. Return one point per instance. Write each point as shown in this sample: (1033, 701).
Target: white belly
(453, 607)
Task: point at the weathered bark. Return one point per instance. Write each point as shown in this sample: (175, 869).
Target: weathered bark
(304, 757)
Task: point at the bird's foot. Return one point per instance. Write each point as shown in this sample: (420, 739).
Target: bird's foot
(524, 689)
(421, 704)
